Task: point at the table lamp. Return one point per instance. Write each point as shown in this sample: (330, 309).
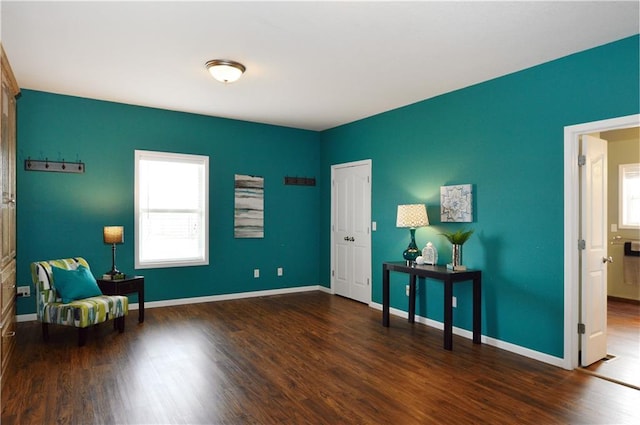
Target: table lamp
(113, 235)
(412, 216)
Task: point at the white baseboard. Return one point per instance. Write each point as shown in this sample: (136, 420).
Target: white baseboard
(26, 317)
(211, 298)
(236, 296)
(507, 346)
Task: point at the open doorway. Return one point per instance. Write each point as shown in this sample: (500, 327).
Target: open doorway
(622, 360)
(613, 129)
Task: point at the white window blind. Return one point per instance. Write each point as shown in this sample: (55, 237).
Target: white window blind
(171, 209)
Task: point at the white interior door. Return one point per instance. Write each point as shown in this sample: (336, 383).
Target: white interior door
(351, 230)
(594, 258)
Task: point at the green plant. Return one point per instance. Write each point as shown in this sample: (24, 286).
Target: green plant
(459, 237)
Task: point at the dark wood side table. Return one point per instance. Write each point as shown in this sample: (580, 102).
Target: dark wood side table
(128, 285)
(448, 278)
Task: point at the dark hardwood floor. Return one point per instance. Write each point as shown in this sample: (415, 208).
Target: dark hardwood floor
(308, 358)
(623, 344)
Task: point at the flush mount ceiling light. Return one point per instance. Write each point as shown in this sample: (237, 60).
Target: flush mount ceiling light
(225, 71)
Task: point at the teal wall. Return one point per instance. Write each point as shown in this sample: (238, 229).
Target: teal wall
(505, 137)
(62, 215)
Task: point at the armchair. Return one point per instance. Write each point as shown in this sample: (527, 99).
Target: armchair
(67, 294)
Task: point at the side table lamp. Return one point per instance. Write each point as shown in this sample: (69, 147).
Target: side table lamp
(113, 235)
(412, 216)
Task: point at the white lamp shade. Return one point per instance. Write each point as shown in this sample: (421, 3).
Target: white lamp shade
(225, 71)
(113, 234)
(413, 215)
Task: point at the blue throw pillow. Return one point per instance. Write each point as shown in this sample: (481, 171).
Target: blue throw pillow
(75, 284)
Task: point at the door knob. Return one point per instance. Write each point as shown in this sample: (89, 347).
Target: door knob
(607, 260)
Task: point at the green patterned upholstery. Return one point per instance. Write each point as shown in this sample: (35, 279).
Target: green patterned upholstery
(79, 313)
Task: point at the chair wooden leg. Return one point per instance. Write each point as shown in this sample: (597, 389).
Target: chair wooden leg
(45, 332)
(82, 336)
(120, 323)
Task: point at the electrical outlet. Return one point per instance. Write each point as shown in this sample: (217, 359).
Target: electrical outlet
(24, 291)
(407, 290)
(454, 302)
(280, 271)
(256, 273)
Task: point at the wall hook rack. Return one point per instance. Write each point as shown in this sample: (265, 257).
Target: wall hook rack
(54, 166)
(300, 181)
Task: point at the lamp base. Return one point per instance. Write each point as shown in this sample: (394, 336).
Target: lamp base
(412, 252)
(113, 272)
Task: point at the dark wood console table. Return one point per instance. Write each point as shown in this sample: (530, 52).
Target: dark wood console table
(448, 277)
(128, 285)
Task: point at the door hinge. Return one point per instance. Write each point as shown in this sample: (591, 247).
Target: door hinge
(582, 160)
(333, 273)
(581, 328)
(367, 281)
(582, 244)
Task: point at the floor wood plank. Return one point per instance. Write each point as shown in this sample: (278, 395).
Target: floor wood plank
(308, 358)
(623, 344)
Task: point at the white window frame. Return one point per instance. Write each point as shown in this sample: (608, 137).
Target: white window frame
(624, 196)
(198, 160)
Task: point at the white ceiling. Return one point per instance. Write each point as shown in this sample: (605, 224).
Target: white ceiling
(310, 65)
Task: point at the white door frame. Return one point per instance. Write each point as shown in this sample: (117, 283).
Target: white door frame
(367, 162)
(571, 227)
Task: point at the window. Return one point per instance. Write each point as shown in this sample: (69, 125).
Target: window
(629, 187)
(171, 209)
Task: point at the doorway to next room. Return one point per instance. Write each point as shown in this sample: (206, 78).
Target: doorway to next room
(615, 320)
